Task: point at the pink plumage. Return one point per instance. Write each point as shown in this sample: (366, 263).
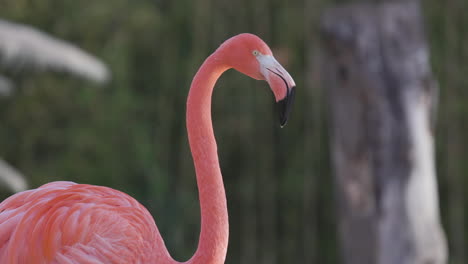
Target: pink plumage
(68, 223)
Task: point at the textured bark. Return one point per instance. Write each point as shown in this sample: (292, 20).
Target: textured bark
(382, 99)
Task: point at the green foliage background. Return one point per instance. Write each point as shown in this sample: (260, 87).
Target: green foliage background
(130, 134)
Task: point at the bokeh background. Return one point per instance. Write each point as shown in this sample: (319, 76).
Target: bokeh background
(130, 134)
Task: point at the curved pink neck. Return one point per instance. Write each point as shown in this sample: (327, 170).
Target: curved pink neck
(214, 233)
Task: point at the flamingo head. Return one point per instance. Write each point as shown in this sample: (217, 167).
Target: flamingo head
(251, 56)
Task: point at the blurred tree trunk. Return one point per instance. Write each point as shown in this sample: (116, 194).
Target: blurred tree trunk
(382, 100)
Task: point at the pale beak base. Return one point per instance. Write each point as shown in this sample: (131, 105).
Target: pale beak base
(281, 83)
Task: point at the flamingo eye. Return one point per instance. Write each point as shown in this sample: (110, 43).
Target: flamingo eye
(255, 53)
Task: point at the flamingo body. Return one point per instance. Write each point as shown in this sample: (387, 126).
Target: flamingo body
(68, 223)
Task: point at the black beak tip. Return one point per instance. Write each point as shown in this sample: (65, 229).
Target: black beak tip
(285, 106)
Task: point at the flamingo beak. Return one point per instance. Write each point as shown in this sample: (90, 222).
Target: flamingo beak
(281, 83)
(285, 106)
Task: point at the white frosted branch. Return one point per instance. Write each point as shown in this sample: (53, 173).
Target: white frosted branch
(11, 179)
(22, 46)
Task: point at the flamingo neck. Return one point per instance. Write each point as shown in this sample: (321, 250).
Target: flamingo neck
(213, 241)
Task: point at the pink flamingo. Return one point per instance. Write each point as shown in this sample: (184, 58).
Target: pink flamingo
(64, 222)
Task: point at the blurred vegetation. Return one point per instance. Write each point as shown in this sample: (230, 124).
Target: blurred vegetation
(130, 135)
